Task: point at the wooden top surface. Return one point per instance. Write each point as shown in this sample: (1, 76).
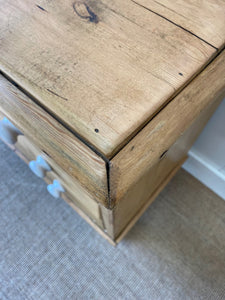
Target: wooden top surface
(104, 68)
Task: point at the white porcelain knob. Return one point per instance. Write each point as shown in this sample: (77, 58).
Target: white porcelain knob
(8, 132)
(55, 189)
(39, 166)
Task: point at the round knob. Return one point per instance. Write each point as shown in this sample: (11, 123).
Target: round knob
(8, 132)
(55, 189)
(39, 166)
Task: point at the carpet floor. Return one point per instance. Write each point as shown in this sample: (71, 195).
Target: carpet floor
(175, 251)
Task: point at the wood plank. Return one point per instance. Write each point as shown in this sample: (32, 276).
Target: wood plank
(143, 190)
(72, 155)
(96, 225)
(77, 195)
(75, 191)
(153, 197)
(135, 199)
(104, 74)
(149, 145)
(206, 19)
(89, 221)
(124, 213)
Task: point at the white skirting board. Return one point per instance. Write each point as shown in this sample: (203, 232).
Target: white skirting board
(206, 172)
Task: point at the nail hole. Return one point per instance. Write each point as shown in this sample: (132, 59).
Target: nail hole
(132, 148)
(96, 130)
(181, 74)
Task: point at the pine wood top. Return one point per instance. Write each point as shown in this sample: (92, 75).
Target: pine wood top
(204, 18)
(104, 68)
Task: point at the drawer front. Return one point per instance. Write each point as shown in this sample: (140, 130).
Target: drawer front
(73, 192)
(68, 151)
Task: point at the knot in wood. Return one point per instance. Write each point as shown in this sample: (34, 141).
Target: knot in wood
(84, 11)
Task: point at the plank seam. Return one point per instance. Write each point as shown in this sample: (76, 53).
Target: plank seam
(188, 31)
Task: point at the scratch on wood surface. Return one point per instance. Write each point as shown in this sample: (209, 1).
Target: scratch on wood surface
(85, 12)
(57, 95)
(41, 8)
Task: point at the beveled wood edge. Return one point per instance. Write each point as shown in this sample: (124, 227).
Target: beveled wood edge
(108, 161)
(201, 53)
(6, 72)
(118, 159)
(91, 160)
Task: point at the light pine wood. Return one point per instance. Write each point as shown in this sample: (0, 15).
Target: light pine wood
(153, 196)
(161, 133)
(79, 195)
(89, 221)
(141, 193)
(112, 94)
(102, 67)
(71, 154)
(204, 18)
(96, 223)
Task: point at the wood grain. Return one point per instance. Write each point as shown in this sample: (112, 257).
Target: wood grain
(117, 219)
(104, 68)
(140, 194)
(77, 195)
(86, 213)
(147, 147)
(74, 195)
(68, 152)
(205, 19)
(146, 205)
(73, 189)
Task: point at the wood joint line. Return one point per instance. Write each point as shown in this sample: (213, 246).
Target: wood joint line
(188, 31)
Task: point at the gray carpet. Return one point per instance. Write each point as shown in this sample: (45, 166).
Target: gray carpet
(176, 250)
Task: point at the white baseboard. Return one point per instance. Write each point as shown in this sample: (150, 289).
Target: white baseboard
(206, 172)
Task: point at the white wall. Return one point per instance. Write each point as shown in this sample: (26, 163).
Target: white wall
(207, 157)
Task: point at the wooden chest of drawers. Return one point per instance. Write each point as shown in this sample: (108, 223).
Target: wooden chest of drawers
(103, 99)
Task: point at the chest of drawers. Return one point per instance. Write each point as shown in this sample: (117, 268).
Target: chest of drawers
(103, 99)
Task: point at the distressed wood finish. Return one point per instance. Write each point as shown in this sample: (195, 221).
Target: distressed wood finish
(147, 203)
(160, 134)
(112, 94)
(74, 195)
(71, 154)
(79, 195)
(137, 196)
(102, 67)
(205, 18)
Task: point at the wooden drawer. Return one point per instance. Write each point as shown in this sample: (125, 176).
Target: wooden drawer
(73, 190)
